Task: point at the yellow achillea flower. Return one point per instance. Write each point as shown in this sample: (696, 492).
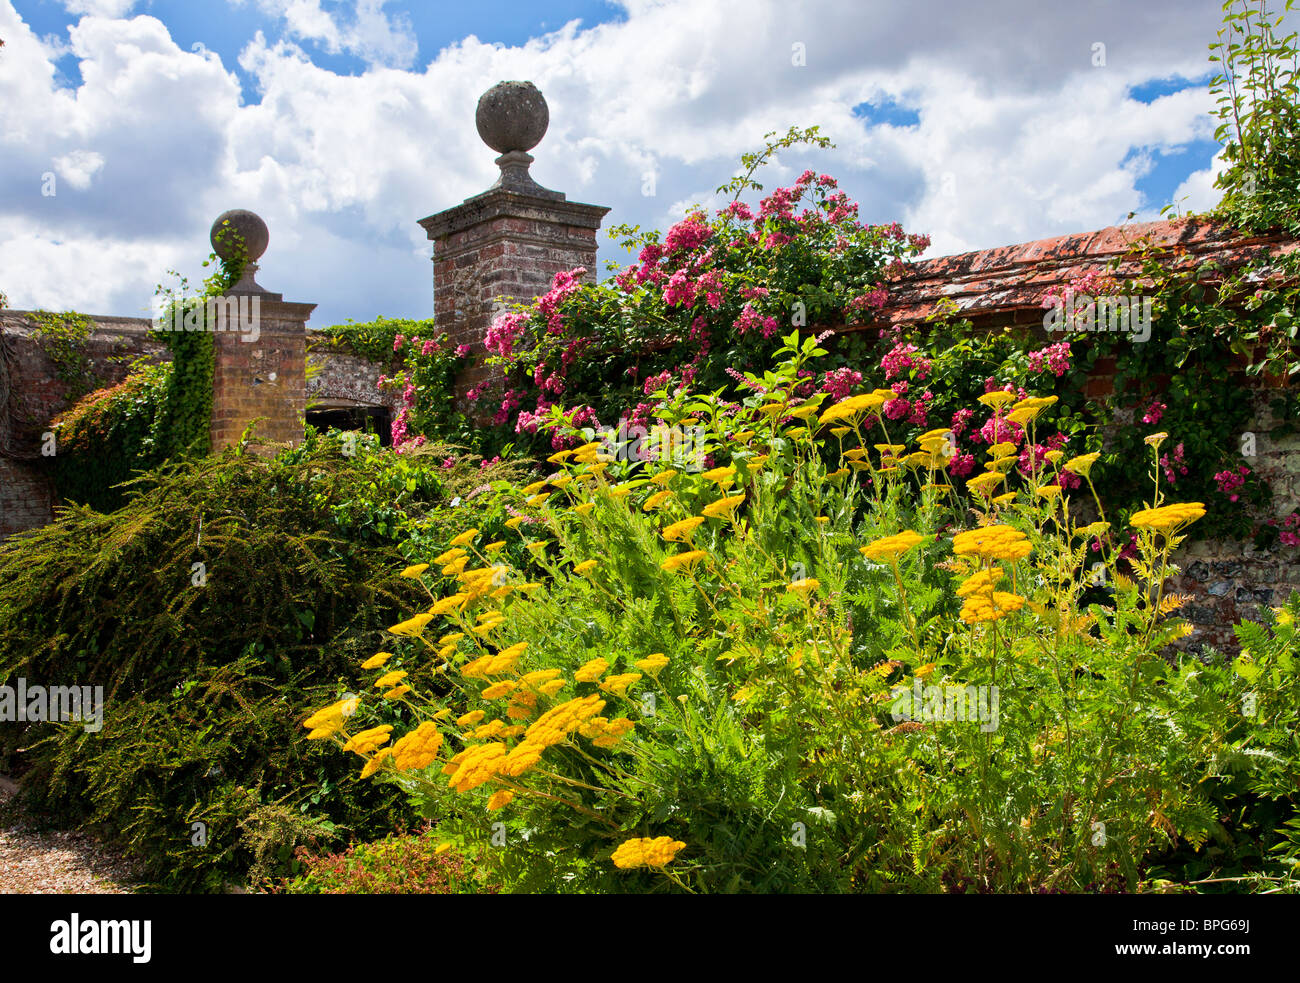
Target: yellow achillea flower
(500, 799)
(849, 408)
(374, 764)
(723, 507)
(1155, 439)
(451, 638)
(390, 678)
(984, 482)
(1006, 499)
(584, 508)
(537, 499)
(449, 556)
(1040, 402)
(490, 729)
(890, 449)
(647, 852)
(442, 848)
(722, 477)
(840, 431)
(1024, 415)
(980, 583)
(591, 671)
(657, 499)
(515, 523)
(803, 587)
(892, 546)
(376, 660)
(465, 538)
(997, 399)
(1082, 464)
(992, 543)
(477, 767)
(522, 758)
(551, 688)
(555, 725)
(620, 492)
(412, 626)
(680, 532)
(562, 481)
(1050, 491)
(538, 676)
(663, 477)
(774, 409)
(1001, 449)
(368, 740)
(618, 684)
(494, 547)
(1167, 517)
(606, 733)
(470, 719)
(455, 567)
(533, 488)
(652, 664)
(1054, 457)
(838, 473)
(744, 437)
(805, 412)
(1004, 464)
(514, 730)
(498, 690)
(559, 457)
(447, 603)
(855, 453)
(680, 561)
(414, 571)
(446, 652)
(586, 566)
(396, 693)
(418, 748)
(990, 606)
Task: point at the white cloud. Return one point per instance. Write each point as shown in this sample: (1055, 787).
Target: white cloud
(371, 34)
(1018, 138)
(79, 167)
(99, 8)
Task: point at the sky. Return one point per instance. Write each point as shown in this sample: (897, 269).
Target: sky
(343, 122)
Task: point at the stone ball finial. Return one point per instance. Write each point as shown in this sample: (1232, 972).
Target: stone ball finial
(512, 116)
(250, 227)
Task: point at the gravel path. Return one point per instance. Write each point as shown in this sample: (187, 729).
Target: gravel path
(54, 862)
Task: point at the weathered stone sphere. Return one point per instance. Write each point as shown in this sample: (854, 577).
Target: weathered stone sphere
(249, 225)
(512, 116)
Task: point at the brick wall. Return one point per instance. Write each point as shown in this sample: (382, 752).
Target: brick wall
(498, 247)
(32, 394)
(263, 378)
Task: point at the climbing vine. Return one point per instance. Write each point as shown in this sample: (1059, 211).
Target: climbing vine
(158, 413)
(63, 338)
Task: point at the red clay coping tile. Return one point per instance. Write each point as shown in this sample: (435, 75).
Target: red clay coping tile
(1014, 278)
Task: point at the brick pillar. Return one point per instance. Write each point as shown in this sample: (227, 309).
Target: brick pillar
(506, 244)
(260, 372)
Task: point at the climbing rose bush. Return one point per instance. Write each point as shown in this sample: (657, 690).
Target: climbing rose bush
(713, 294)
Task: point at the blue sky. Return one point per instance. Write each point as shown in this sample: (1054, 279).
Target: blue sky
(343, 122)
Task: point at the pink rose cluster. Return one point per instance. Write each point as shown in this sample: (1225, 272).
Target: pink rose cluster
(1055, 358)
(1230, 481)
(902, 357)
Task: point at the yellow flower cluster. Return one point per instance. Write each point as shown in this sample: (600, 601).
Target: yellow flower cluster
(993, 543)
(475, 765)
(606, 733)
(1167, 517)
(647, 852)
(556, 724)
(367, 740)
(892, 546)
(418, 748)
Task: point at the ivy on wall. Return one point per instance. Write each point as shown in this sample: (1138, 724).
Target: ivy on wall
(63, 338)
(158, 413)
